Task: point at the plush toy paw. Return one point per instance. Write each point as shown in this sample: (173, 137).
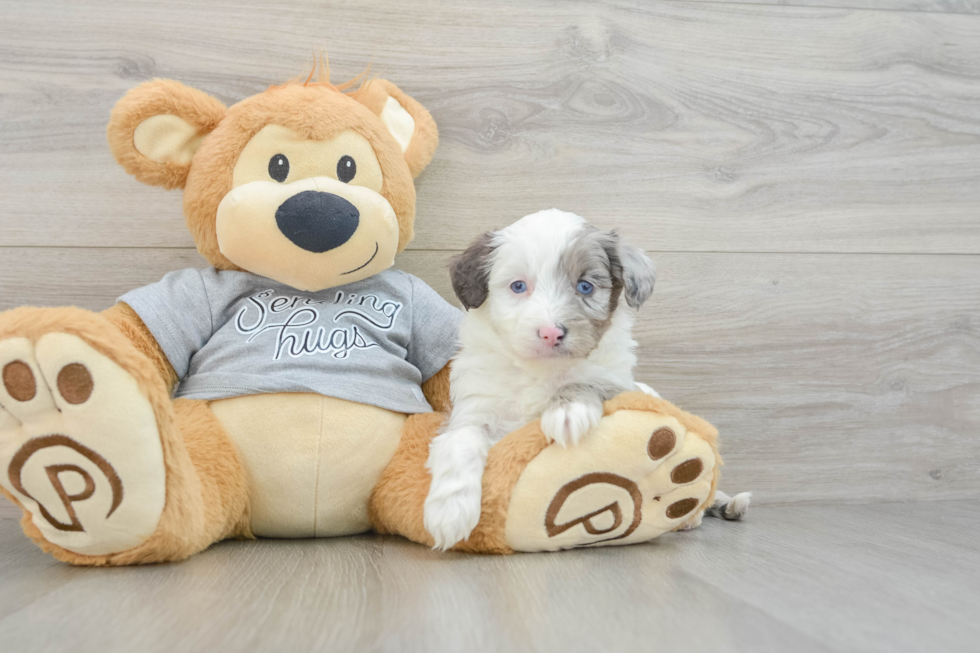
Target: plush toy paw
(566, 422)
(639, 474)
(79, 445)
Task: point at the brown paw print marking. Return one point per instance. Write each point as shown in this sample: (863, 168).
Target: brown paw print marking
(75, 383)
(598, 478)
(18, 379)
(681, 508)
(687, 471)
(661, 443)
(54, 472)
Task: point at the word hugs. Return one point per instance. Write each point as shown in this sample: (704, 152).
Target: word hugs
(302, 326)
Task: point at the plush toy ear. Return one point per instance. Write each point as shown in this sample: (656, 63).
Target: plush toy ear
(156, 127)
(407, 120)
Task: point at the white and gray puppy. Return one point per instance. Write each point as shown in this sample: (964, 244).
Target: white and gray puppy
(547, 334)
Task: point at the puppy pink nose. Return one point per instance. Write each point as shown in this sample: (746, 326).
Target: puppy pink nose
(552, 335)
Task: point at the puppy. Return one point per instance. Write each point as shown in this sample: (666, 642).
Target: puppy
(547, 334)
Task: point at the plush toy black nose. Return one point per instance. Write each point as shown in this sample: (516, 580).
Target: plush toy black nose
(317, 222)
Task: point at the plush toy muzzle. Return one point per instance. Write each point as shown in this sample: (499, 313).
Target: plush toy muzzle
(312, 234)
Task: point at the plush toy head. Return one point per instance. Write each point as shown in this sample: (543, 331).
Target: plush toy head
(302, 183)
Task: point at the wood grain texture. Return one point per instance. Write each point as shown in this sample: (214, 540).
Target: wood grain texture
(933, 6)
(807, 175)
(8, 510)
(831, 377)
(691, 126)
(893, 578)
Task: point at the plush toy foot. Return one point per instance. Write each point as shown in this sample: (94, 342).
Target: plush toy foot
(639, 473)
(79, 445)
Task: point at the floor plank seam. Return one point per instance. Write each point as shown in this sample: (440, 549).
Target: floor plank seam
(735, 598)
(826, 7)
(435, 250)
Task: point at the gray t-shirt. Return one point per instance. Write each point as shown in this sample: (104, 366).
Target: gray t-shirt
(229, 334)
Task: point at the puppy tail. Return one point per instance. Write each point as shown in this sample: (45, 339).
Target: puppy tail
(730, 508)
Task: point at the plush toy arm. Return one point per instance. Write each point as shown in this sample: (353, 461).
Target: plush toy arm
(126, 320)
(436, 391)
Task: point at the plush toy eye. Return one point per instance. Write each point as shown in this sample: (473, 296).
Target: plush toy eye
(518, 287)
(346, 169)
(585, 287)
(279, 167)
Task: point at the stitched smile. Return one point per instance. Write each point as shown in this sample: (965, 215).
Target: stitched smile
(376, 248)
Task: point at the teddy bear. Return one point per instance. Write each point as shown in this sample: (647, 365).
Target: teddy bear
(292, 388)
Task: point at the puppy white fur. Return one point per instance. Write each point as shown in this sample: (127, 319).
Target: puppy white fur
(547, 334)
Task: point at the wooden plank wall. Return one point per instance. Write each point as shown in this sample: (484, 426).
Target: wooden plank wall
(805, 173)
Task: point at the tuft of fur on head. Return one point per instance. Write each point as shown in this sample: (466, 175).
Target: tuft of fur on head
(551, 252)
(319, 75)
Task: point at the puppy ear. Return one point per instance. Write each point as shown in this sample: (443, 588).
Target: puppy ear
(407, 121)
(639, 275)
(470, 272)
(156, 128)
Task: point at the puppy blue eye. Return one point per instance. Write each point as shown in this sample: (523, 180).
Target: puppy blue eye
(585, 287)
(518, 287)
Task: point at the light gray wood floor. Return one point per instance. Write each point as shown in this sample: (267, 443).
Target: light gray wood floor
(807, 178)
(881, 577)
(806, 174)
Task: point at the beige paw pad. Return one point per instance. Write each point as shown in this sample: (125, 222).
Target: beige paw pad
(79, 446)
(635, 476)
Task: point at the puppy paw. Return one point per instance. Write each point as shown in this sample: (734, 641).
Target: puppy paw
(452, 508)
(451, 516)
(730, 508)
(566, 422)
